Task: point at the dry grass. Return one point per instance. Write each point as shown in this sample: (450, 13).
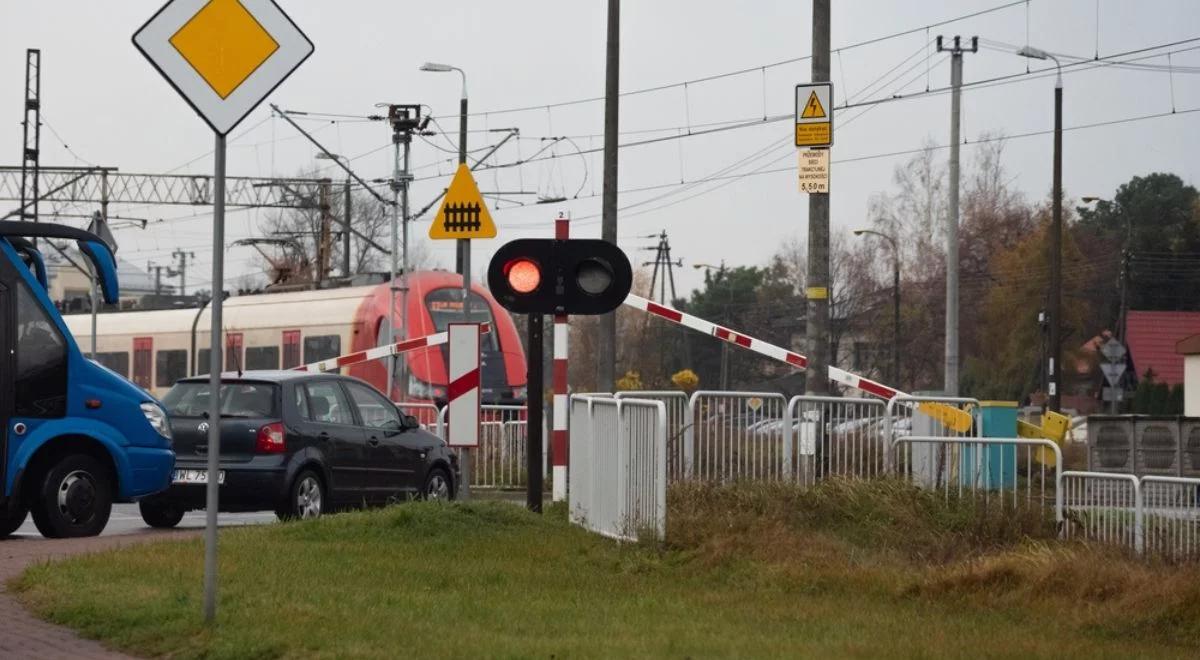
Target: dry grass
(917, 546)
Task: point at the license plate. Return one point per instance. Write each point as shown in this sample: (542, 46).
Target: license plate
(195, 477)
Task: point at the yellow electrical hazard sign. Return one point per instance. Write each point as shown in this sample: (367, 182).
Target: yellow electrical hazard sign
(464, 213)
(814, 115)
(813, 109)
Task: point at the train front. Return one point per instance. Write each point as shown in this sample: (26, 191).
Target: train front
(434, 301)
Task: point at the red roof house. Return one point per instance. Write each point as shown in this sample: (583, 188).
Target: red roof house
(1152, 336)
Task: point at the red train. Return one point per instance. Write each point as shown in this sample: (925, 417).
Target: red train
(284, 330)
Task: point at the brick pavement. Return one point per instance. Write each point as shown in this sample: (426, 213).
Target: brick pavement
(23, 636)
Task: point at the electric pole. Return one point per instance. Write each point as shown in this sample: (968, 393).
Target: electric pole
(182, 257)
(817, 289)
(404, 120)
(346, 207)
(606, 348)
(950, 382)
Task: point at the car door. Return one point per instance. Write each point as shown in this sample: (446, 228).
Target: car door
(396, 457)
(328, 423)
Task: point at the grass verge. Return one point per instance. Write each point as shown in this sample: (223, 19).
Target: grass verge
(844, 570)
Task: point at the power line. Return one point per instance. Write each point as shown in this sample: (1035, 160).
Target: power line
(759, 68)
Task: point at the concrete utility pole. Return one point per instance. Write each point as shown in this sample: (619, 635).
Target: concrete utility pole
(404, 119)
(950, 382)
(347, 205)
(183, 257)
(817, 288)
(606, 348)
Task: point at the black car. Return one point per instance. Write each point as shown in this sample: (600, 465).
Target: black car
(299, 444)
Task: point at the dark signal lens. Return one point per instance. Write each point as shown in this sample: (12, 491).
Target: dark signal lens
(524, 275)
(594, 276)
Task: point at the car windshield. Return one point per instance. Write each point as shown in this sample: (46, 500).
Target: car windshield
(237, 400)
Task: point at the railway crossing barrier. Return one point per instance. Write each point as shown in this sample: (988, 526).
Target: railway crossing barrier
(380, 352)
(618, 466)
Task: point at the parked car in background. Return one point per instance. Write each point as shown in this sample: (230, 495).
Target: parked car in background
(298, 444)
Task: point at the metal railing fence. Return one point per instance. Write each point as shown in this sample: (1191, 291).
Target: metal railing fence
(618, 466)
(500, 459)
(1102, 507)
(736, 435)
(676, 403)
(835, 436)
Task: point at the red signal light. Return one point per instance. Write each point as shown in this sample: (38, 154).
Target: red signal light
(524, 275)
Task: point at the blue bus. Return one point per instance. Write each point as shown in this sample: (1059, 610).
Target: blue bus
(74, 436)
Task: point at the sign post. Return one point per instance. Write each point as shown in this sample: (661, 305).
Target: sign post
(224, 57)
(463, 216)
(1113, 351)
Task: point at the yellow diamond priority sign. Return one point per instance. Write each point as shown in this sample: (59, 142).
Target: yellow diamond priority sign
(223, 56)
(463, 213)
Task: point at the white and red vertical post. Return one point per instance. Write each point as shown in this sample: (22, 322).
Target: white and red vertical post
(559, 438)
(464, 396)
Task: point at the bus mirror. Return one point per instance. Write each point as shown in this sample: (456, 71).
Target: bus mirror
(105, 267)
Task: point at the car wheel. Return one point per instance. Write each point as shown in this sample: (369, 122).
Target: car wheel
(438, 486)
(75, 498)
(9, 522)
(160, 514)
(306, 498)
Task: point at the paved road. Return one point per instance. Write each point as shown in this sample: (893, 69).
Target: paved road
(126, 520)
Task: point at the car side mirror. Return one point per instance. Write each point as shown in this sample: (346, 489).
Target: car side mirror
(411, 422)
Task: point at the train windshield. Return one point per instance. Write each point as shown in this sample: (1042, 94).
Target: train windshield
(446, 307)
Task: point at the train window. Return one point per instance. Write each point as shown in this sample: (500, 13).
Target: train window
(41, 378)
(143, 354)
(118, 362)
(169, 366)
(322, 348)
(262, 357)
(445, 307)
(291, 348)
(202, 357)
(234, 360)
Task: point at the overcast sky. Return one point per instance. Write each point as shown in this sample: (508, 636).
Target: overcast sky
(104, 101)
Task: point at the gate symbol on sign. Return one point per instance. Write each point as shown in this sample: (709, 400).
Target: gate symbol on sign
(461, 217)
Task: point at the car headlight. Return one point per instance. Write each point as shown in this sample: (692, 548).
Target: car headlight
(157, 419)
(419, 389)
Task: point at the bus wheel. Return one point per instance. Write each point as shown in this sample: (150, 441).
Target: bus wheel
(10, 521)
(75, 498)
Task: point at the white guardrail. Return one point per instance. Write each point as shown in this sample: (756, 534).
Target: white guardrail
(618, 466)
(1152, 516)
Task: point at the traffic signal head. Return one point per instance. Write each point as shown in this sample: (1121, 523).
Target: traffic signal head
(547, 276)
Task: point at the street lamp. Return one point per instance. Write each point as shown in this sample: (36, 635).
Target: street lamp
(895, 300)
(724, 345)
(345, 211)
(1054, 363)
(464, 246)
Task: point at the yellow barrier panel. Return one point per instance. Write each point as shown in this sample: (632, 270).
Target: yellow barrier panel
(948, 416)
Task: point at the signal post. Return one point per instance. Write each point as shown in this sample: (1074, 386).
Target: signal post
(539, 276)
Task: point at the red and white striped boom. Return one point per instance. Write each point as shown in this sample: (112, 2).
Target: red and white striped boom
(948, 415)
(380, 352)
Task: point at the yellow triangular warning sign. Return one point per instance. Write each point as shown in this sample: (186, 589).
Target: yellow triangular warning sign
(463, 213)
(813, 109)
